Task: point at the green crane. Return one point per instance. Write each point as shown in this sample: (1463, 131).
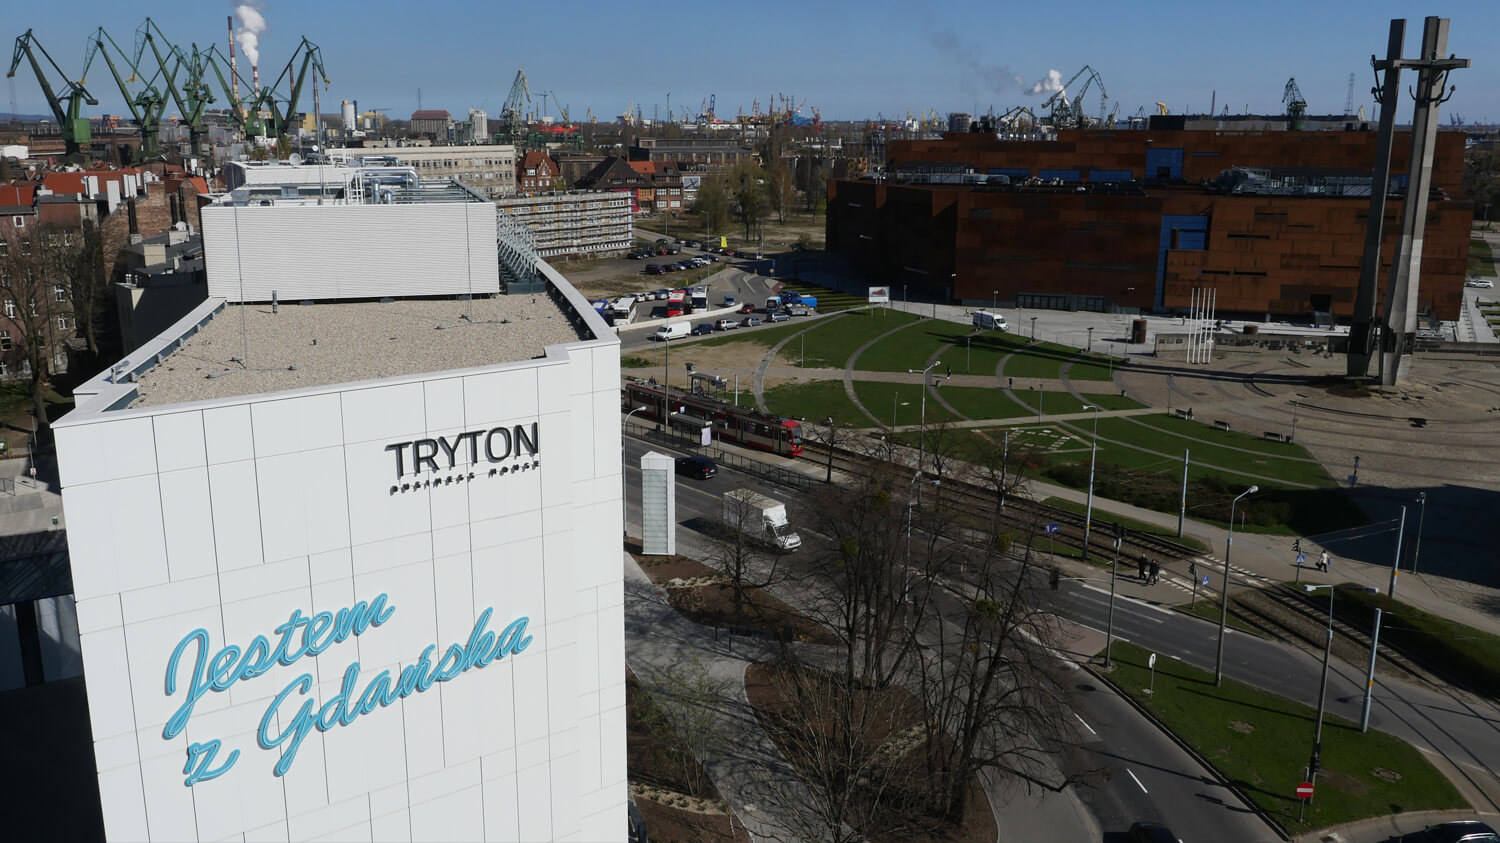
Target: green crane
(65, 109)
(146, 105)
(284, 111)
(244, 117)
(194, 94)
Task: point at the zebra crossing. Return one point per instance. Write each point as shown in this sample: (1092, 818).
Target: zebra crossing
(1209, 565)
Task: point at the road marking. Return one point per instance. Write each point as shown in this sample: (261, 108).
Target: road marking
(1137, 781)
(1133, 600)
(1085, 724)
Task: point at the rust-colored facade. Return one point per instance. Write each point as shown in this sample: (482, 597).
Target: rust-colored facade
(1127, 222)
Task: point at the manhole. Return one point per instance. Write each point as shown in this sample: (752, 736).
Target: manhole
(1241, 726)
(1388, 775)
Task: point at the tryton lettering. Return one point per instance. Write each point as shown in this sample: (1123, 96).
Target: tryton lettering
(448, 452)
(304, 635)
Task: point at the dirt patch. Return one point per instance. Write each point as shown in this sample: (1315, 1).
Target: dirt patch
(1241, 726)
(700, 593)
(1388, 775)
(1345, 782)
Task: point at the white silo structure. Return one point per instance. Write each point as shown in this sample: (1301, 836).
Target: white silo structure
(347, 111)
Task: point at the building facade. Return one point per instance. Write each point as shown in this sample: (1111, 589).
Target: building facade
(574, 223)
(1100, 220)
(489, 169)
(537, 173)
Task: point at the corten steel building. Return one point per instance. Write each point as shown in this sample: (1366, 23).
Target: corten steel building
(350, 568)
(1136, 220)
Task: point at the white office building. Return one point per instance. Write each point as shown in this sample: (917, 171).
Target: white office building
(349, 569)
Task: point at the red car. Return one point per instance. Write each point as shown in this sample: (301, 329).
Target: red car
(749, 308)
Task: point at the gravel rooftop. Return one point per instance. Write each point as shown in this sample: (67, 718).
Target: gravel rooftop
(322, 344)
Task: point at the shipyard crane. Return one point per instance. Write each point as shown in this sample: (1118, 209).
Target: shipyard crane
(282, 110)
(193, 95)
(1161, 108)
(1296, 106)
(590, 114)
(1069, 114)
(513, 113)
(66, 107)
(247, 120)
(147, 104)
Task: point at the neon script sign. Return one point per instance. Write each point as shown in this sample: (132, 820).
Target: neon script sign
(302, 636)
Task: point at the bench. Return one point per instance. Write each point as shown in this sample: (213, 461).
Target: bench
(1221, 425)
(1183, 414)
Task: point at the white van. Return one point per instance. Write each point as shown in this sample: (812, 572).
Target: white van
(989, 321)
(676, 330)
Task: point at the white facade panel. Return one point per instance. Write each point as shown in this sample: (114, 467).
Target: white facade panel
(327, 252)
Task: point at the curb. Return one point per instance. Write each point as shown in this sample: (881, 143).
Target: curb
(1334, 832)
(1214, 771)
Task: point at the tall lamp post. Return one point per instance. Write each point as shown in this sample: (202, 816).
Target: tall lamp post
(1421, 517)
(829, 422)
(624, 486)
(1317, 752)
(910, 502)
(994, 300)
(922, 435)
(1224, 612)
(1088, 510)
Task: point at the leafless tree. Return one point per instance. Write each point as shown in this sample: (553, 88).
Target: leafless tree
(35, 267)
(682, 709)
(739, 546)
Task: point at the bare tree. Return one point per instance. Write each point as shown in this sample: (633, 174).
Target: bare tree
(779, 189)
(747, 187)
(739, 546)
(35, 266)
(684, 701)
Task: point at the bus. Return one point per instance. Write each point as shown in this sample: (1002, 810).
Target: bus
(678, 304)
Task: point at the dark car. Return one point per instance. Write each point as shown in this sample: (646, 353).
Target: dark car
(701, 468)
(1457, 831)
(704, 328)
(748, 308)
(1150, 833)
(654, 269)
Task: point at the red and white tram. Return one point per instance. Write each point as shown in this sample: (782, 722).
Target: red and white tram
(744, 425)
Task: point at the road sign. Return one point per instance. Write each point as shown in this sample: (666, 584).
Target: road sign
(1305, 790)
(1051, 528)
(1151, 662)
(1205, 580)
(1301, 559)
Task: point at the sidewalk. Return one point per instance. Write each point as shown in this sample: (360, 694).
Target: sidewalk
(27, 504)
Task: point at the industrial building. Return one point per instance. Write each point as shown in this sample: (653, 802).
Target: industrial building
(489, 169)
(1138, 219)
(574, 223)
(387, 493)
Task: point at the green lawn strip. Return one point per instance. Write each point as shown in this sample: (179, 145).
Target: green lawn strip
(912, 347)
(831, 343)
(1128, 523)
(1210, 609)
(1052, 400)
(764, 337)
(982, 402)
(979, 352)
(1460, 653)
(879, 396)
(1480, 259)
(1111, 401)
(829, 300)
(1261, 742)
(815, 400)
(1208, 434)
(1039, 360)
(1264, 465)
(1093, 367)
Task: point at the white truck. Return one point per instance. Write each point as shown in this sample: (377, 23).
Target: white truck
(988, 321)
(762, 518)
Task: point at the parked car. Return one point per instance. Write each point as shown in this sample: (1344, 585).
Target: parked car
(1150, 833)
(726, 325)
(749, 307)
(699, 468)
(660, 295)
(1456, 831)
(750, 321)
(1479, 282)
(654, 269)
(729, 300)
(703, 328)
(778, 316)
(711, 258)
(798, 310)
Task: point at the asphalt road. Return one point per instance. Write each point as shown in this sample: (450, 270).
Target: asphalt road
(1136, 771)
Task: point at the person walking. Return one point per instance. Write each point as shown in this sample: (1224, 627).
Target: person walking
(1155, 572)
(1142, 568)
(1323, 562)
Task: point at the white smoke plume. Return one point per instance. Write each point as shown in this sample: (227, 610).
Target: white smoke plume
(250, 29)
(974, 70)
(1049, 84)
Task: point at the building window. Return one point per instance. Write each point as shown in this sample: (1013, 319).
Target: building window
(4, 368)
(32, 306)
(62, 323)
(26, 366)
(10, 308)
(18, 222)
(5, 343)
(60, 292)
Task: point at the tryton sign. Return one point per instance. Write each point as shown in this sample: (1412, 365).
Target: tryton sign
(504, 449)
(310, 635)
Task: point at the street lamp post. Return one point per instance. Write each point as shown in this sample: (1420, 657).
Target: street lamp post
(1088, 510)
(1421, 517)
(624, 486)
(910, 502)
(1091, 339)
(995, 300)
(1317, 752)
(829, 422)
(922, 435)
(1224, 595)
(1033, 329)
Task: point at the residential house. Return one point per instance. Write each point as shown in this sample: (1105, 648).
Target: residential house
(537, 173)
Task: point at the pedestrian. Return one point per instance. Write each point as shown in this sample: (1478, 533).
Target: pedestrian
(1142, 567)
(950, 370)
(1155, 572)
(1012, 383)
(1323, 561)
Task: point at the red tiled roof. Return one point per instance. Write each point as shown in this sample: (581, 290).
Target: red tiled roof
(61, 183)
(16, 195)
(645, 168)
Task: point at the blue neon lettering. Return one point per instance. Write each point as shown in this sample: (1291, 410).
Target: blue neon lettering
(218, 671)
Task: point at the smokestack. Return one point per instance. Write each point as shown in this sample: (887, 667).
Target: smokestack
(255, 79)
(234, 73)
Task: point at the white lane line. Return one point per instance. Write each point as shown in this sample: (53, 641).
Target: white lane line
(1137, 781)
(1085, 724)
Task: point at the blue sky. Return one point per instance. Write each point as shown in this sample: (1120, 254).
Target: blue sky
(853, 60)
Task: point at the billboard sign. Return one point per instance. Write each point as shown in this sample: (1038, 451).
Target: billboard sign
(880, 295)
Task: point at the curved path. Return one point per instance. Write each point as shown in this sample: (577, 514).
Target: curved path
(758, 383)
(849, 370)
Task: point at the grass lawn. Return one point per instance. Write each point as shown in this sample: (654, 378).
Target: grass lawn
(983, 402)
(1130, 524)
(764, 337)
(879, 397)
(1304, 471)
(832, 341)
(1093, 367)
(1466, 655)
(1112, 401)
(913, 347)
(816, 400)
(1041, 361)
(1051, 400)
(1480, 261)
(1261, 742)
(1210, 435)
(829, 300)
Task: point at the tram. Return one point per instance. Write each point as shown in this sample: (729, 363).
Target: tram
(687, 411)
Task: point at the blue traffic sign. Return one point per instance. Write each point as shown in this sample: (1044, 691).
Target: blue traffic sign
(1052, 528)
(1205, 579)
(1301, 558)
